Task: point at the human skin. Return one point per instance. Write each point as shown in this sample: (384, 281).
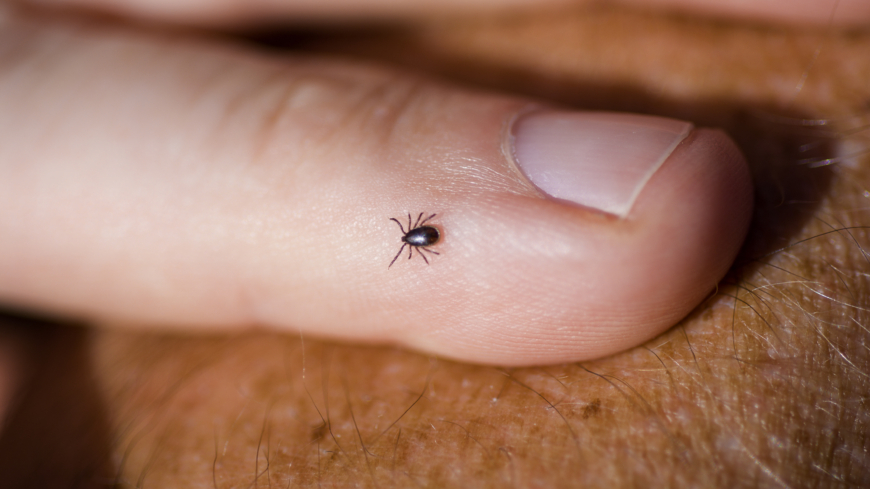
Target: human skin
(223, 188)
(764, 384)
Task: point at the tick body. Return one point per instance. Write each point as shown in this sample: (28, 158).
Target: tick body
(418, 237)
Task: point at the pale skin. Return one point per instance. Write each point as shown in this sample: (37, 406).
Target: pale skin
(770, 392)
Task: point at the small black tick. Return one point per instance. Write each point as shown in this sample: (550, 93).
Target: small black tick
(418, 237)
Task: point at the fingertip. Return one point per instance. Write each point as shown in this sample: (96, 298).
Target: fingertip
(565, 282)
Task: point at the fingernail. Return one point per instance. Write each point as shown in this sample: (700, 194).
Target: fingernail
(600, 160)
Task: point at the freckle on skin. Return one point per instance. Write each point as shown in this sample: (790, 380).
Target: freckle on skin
(592, 409)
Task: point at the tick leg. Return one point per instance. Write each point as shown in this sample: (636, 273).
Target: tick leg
(410, 251)
(417, 224)
(425, 220)
(409, 222)
(399, 253)
(430, 251)
(424, 256)
(400, 225)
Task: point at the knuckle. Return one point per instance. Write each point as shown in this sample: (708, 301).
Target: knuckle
(310, 114)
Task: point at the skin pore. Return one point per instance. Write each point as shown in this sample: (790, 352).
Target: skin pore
(764, 384)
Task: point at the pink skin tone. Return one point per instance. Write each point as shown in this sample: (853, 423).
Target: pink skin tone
(286, 244)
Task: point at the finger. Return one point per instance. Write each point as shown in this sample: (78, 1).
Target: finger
(240, 12)
(178, 183)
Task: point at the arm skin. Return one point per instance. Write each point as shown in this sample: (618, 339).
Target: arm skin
(764, 385)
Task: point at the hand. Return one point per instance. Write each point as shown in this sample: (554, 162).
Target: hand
(268, 355)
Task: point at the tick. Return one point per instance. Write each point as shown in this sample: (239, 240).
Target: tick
(418, 237)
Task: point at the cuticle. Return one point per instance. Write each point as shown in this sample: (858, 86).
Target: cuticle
(507, 145)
